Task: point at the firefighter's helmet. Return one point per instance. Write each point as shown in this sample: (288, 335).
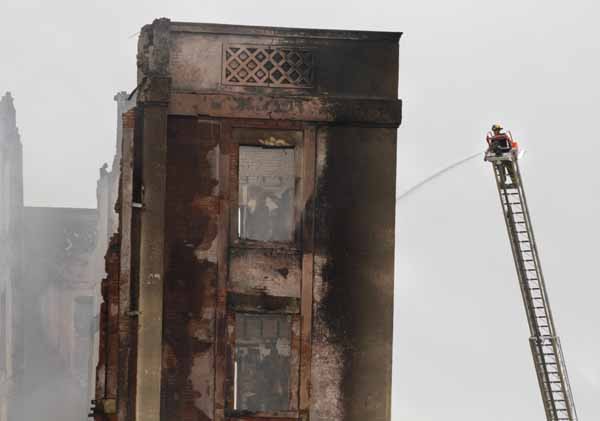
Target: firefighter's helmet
(496, 128)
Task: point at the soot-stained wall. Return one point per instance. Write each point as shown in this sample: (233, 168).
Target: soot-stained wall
(191, 270)
(354, 259)
(196, 302)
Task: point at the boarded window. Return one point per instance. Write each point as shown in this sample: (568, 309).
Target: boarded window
(266, 193)
(262, 362)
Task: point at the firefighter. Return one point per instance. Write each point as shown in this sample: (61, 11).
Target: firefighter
(500, 143)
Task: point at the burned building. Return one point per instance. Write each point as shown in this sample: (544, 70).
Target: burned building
(46, 296)
(65, 249)
(59, 285)
(252, 274)
(11, 261)
(107, 191)
(51, 264)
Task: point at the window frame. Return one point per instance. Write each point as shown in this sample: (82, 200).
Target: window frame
(302, 247)
(292, 310)
(298, 146)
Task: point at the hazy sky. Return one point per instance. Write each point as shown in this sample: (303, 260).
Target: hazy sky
(461, 336)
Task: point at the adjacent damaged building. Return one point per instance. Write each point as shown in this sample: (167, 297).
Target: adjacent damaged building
(51, 264)
(251, 277)
(11, 262)
(47, 295)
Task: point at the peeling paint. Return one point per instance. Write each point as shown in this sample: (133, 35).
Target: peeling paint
(200, 377)
(209, 255)
(191, 276)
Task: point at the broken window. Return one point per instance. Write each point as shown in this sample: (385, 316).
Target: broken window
(262, 362)
(266, 193)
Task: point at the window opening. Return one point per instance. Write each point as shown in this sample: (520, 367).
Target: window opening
(266, 193)
(262, 362)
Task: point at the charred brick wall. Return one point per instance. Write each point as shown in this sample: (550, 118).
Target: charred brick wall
(188, 277)
(107, 194)
(107, 368)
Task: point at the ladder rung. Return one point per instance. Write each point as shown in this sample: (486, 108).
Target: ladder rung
(547, 358)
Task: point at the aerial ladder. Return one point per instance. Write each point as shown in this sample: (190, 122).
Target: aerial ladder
(503, 154)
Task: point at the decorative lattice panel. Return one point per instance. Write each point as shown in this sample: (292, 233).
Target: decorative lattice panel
(268, 66)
